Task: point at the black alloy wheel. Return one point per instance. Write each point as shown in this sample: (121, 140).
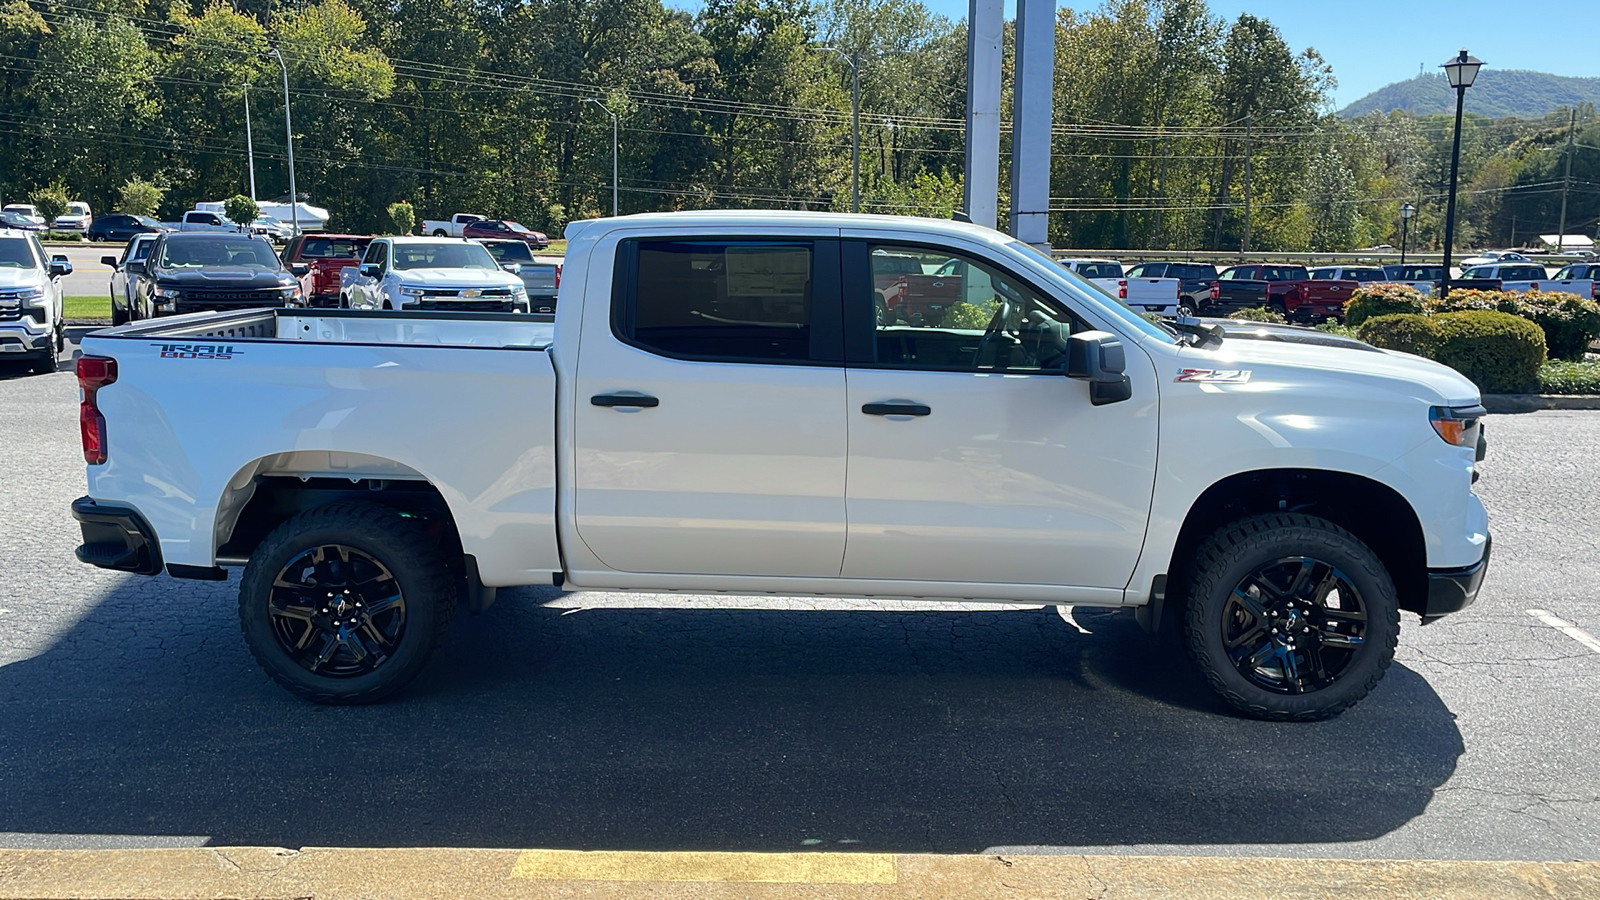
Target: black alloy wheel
(1294, 625)
(337, 611)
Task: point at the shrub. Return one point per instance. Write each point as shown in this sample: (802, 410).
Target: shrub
(1570, 378)
(1569, 321)
(51, 201)
(1501, 353)
(1341, 329)
(1258, 314)
(63, 236)
(138, 197)
(241, 209)
(403, 217)
(968, 315)
(1406, 332)
(1382, 300)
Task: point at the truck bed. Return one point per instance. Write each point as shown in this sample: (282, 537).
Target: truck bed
(349, 326)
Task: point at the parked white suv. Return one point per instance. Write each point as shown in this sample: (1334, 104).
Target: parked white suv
(421, 273)
(31, 325)
(76, 218)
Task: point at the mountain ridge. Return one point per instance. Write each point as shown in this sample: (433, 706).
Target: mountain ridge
(1497, 93)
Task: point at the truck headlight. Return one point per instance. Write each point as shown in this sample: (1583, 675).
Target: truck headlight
(27, 294)
(166, 293)
(1457, 425)
(410, 291)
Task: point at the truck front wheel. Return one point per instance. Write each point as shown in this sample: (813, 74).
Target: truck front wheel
(344, 604)
(1290, 617)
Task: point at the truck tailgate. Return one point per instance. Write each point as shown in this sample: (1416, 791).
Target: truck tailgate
(192, 423)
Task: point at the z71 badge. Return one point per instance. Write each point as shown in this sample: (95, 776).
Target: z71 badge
(1213, 376)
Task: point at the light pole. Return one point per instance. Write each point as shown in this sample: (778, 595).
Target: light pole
(1462, 70)
(1566, 183)
(249, 142)
(613, 114)
(1406, 212)
(288, 131)
(853, 59)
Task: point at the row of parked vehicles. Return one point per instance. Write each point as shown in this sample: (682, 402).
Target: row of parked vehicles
(167, 273)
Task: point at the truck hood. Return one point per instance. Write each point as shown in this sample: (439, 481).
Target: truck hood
(457, 278)
(1282, 365)
(19, 278)
(225, 276)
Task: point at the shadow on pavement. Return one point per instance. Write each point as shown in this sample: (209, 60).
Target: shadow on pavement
(680, 729)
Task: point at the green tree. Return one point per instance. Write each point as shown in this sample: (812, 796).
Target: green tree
(1332, 200)
(138, 197)
(241, 209)
(51, 200)
(403, 217)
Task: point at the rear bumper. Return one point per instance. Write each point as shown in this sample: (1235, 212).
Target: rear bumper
(116, 537)
(1452, 590)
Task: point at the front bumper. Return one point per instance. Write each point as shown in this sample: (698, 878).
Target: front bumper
(116, 537)
(1452, 590)
(16, 337)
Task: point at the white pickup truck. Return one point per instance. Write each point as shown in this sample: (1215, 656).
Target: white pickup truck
(450, 227)
(427, 273)
(714, 407)
(1143, 294)
(1523, 277)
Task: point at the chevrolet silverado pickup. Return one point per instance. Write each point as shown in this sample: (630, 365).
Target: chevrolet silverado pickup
(1289, 291)
(325, 256)
(714, 407)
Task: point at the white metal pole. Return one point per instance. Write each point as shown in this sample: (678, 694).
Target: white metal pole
(613, 162)
(288, 130)
(249, 141)
(981, 184)
(1032, 108)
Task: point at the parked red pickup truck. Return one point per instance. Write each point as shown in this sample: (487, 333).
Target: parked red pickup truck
(326, 255)
(1287, 290)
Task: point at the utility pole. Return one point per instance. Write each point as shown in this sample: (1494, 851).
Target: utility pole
(613, 113)
(855, 131)
(1566, 183)
(249, 142)
(288, 130)
(1248, 122)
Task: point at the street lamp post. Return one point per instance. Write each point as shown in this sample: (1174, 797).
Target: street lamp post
(613, 114)
(853, 59)
(1462, 70)
(288, 131)
(1406, 212)
(249, 142)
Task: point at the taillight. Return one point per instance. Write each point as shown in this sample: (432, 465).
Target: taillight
(1533, 286)
(558, 275)
(1216, 291)
(94, 373)
(1122, 290)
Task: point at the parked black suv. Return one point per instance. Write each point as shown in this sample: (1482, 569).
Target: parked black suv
(121, 226)
(216, 271)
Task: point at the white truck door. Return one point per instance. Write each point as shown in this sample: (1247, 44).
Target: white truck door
(973, 458)
(709, 426)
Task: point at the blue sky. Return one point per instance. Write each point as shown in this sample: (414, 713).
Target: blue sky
(1371, 43)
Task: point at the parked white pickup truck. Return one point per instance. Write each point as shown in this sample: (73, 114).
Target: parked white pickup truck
(714, 407)
(425, 273)
(450, 227)
(1143, 294)
(1523, 277)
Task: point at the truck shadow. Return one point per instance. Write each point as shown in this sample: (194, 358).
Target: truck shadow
(693, 729)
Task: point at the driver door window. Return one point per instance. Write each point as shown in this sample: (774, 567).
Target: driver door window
(935, 310)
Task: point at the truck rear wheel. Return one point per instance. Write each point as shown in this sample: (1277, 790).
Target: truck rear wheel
(1290, 617)
(345, 604)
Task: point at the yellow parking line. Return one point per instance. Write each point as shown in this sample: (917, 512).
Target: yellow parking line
(769, 868)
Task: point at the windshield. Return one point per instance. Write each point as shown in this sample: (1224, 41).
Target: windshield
(442, 256)
(15, 253)
(519, 227)
(141, 248)
(147, 221)
(509, 252)
(1088, 293)
(193, 253)
(332, 248)
(1364, 274)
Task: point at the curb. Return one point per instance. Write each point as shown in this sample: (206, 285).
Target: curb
(403, 874)
(1522, 403)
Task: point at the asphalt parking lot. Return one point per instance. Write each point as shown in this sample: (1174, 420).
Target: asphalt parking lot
(134, 716)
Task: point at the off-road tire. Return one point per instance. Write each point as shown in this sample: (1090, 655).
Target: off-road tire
(47, 361)
(1240, 548)
(425, 574)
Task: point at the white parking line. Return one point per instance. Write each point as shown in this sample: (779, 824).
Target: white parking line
(1566, 628)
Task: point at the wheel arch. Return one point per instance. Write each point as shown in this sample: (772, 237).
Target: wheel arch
(1374, 512)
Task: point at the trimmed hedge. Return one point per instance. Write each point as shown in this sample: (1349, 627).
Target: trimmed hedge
(1382, 300)
(1569, 321)
(1500, 353)
(1570, 378)
(1258, 314)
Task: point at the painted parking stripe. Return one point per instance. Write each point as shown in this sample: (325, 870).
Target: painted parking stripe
(770, 868)
(1566, 628)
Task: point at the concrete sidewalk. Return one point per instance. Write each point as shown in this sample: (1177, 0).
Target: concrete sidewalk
(404, 874)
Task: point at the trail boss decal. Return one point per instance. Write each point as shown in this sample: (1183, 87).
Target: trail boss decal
(197, 351)
(1213, 376)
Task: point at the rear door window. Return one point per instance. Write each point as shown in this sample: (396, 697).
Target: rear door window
(762, 301)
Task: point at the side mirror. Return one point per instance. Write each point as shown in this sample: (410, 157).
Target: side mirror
(135, 268)
(368, 270)
(513, 268)
(1098, 358)
(60, 267)
(108, 261)
(299, 270)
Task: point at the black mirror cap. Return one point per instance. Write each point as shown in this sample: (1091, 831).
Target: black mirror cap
(299, 270)
(109, 261)
(60, 267)
(136, 268)
(369, 270)
(1098, 357)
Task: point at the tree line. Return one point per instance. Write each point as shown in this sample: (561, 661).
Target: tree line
(1163, 113)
